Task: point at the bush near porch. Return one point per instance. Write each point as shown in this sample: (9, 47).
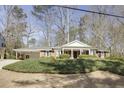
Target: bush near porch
(66, 66)
(87, 56)
(64, 56)
(67, 56)
(115, 58)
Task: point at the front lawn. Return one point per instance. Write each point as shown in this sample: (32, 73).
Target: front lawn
(30, 65)
(66, 66)
(41, 66)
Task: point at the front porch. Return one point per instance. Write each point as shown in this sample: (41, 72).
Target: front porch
(75, 52)
(76, 48)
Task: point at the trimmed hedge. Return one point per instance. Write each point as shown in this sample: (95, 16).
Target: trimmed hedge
(113, 66)
(116, 58)
(64, 56)
(87, 56)
(66, 66)
(48, 59)
(40, 66)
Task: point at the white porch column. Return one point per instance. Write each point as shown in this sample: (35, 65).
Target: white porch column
(20, 55)
(45, 53)
(2, 56)
(80, 51)
(94, 52)
(72, 57)
(2, 53)
(63, 51)
(89, 52)
(60, 52)
(16, 55)
(102, 54)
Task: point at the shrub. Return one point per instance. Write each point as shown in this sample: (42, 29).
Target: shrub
(45, 59)
(66, 66)
(99, 64)
(94, 68)
(112, 66)
(89, 65)
(86, 56)
(48, 59)
(60, 60)
(53, 59)
(87, 70)
(64, 56)
(115, 58)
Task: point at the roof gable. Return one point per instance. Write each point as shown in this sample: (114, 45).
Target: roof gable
(76, 43)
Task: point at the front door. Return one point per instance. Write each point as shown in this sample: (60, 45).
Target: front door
(76, 54)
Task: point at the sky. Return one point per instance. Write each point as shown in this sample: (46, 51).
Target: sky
(28, 8)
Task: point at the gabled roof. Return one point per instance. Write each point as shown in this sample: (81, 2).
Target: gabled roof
(76, 43)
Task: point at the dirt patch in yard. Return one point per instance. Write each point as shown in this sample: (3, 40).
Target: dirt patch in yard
(94, 79)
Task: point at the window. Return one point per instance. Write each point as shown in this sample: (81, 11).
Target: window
(85, 52)
(27, 56)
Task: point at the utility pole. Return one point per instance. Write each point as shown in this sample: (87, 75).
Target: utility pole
(67, 26)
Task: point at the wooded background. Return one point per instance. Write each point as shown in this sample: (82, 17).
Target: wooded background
(49, 26)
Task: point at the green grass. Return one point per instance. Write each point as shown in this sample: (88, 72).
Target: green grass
(66, 66)
(41, 66)
(116, 58)
(31, 66)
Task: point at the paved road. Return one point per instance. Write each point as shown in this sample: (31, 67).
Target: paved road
(5, 62)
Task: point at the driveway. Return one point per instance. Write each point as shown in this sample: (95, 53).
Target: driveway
(97, 79)
(5, 62)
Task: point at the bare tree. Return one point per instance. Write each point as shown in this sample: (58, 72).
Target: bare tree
(13, 20)
(44, 15)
